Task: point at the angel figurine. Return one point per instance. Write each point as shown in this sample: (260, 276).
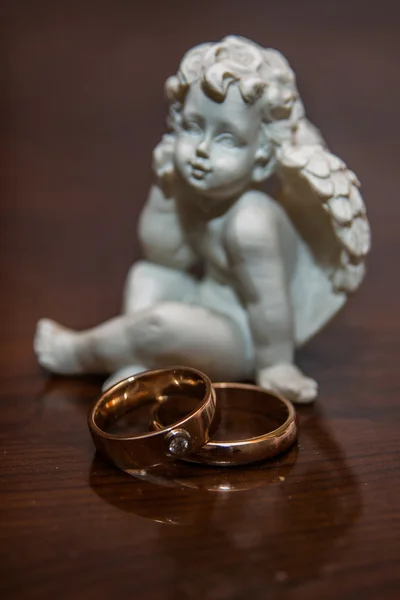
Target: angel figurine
(276, 265)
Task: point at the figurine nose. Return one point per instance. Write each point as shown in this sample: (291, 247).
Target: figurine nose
(202, 149)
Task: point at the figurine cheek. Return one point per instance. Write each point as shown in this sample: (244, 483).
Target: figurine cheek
(234, 163)
(184, 149)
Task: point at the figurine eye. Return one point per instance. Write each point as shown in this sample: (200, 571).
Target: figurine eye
(191, 127)
(228, 140)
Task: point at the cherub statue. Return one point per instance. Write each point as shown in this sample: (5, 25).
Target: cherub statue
(276, 266)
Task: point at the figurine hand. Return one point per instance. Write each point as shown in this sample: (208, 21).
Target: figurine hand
(289, 381)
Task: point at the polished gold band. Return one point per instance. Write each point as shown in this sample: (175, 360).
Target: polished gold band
(137, 398)
(254, 425)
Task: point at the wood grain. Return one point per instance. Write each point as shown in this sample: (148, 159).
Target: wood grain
(82, 107)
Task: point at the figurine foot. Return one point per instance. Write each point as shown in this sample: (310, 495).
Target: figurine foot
(55, 348)
(122, 374)
(290, 382)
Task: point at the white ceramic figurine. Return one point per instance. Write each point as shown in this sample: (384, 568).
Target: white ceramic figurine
(276, 266)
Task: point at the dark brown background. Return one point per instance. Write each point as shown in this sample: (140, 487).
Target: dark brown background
(81, 109)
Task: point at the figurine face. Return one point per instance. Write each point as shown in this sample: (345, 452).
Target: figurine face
(217, 143)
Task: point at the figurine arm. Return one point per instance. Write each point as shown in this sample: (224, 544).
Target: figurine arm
(161, 234)
(254, 249)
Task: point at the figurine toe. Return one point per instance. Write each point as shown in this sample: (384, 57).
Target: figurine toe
(43, 335)
(54, 347)
(289, 381)
(308, 392)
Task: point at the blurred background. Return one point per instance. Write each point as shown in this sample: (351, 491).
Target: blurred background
(82, 106)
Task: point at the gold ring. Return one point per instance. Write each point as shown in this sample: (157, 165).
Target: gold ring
(254, 425)
(129, 407)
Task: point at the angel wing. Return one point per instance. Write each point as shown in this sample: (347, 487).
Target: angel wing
(337, 190)
(322, 199)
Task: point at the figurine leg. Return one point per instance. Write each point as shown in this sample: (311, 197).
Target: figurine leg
(148, 284)
(164, 335)
(122, 374)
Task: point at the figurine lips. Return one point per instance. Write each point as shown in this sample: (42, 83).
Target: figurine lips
(199, 170)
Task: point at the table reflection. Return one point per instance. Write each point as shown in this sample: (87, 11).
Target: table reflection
(286, 520)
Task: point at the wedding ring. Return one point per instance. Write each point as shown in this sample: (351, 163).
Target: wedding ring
(254, 425)
(119, 422)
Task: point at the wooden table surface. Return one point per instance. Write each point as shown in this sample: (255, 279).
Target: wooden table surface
(81, 109)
